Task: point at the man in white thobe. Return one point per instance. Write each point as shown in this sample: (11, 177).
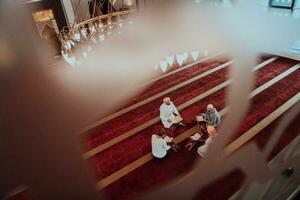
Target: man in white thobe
(167, 112)
(159, 145)
(212, 134)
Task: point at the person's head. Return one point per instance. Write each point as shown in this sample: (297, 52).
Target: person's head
(161, 132)
(210, 107)
(212, 132)
(167, 100)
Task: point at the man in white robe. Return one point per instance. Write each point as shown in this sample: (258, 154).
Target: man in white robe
(159, 145)
(212, 134)
(168, 112)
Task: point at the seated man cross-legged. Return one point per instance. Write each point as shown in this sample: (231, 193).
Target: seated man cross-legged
(212, 134)
(161, 144)
(169, 114)
(212, 116)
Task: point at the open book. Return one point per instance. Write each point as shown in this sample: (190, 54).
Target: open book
(200, 118)
(195, 137)
(176, 119)
(168, 139)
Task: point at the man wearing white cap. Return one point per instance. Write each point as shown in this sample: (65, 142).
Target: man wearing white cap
(161, 143)
(212, 116)
(212, 134)
(168, 113)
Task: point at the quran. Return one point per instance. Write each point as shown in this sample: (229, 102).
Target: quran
(195, 137)
(176, 119)
(200, 118)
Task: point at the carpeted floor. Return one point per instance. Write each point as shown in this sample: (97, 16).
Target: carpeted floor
(178, 164)
(121, 124)
(270, 99)
(120, 155)
(138, 116)
(129, 120)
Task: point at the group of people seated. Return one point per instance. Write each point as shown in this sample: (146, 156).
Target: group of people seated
(207, 124)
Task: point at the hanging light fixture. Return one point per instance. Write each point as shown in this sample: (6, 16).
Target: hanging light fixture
(69, 59)
(170, 60)
(164, 65)
(69, 45)
(83, 32)
(92, 28)
(76, 36)
(99, 25)
(195, 55)
(95, 29)
(180, 59)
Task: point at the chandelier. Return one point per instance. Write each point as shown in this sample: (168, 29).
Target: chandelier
(95, 30)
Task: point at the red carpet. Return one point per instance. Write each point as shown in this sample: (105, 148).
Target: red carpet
(136, 117)
(272, 98)
(289, 134)
(182, 76)
(119, 125)
(119, 155)
(225, 185)
(128, 121)
(173, 80)
(177, 78)
(280, 93)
